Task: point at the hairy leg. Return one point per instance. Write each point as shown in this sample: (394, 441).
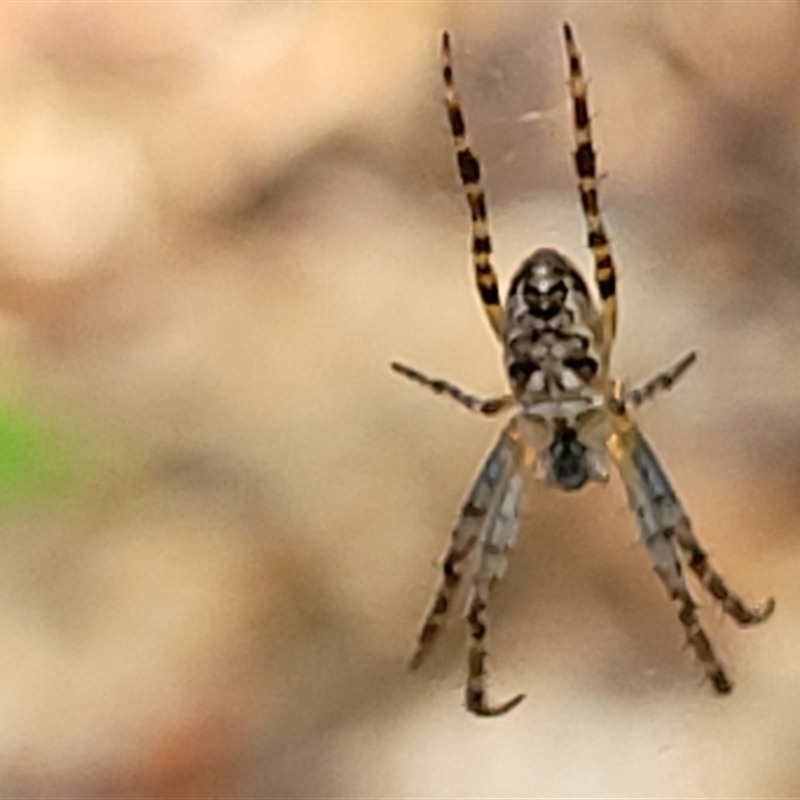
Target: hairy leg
(731, 603)
(665, 530)
(498, 539)
(586, 167)
(469, 170)
(479, 510)
(489, 406)
(661, 382)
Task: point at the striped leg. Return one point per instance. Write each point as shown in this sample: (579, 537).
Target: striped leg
(585, 164)
(662, 381)
(668, 568)
(470, 172)
(489, 407)
(480, 507)
(731, 604)
(499, 537)
(661, 518)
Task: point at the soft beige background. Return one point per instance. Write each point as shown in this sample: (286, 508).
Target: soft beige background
(218, 224)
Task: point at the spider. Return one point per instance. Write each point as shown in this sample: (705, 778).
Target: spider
(570, 417)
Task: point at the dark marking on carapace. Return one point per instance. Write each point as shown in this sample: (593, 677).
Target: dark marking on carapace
(585, 366)
(558, 266)
(546, 312)
(520, 372)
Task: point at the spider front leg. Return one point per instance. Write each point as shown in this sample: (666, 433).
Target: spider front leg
(665, 530)
(469, 170)
(586, 167)
(488, 407)
(479, 510)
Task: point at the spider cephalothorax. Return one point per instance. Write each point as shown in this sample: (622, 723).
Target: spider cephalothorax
(570, 416)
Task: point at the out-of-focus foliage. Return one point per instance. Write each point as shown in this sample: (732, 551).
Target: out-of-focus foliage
(34, 459)
(219, 222)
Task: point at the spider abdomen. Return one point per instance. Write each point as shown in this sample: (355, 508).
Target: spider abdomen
(550, 331)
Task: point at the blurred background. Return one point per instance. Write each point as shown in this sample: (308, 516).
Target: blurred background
(222, 513)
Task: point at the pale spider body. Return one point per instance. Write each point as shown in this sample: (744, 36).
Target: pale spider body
(549, 336)
(552, 362)
(570, 417)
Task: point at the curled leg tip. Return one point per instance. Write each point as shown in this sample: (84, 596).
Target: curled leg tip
(476, 703)
(757, 615)
(764, 611)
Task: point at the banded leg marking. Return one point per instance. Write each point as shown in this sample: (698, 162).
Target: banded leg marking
(663, 381)
(586, 167)
(489, 407)
(666, 564)
(499, 537)
(477, 512)
(664, 528)
(731, 603)
(459, 551)
(698, 640)
(470, 172)
(476, 697)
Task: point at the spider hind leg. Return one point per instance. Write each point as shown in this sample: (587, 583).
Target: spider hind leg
(476, 695)
(666, 532)
(498, 538)
(478, 511)
(736, 608)
(669, 570)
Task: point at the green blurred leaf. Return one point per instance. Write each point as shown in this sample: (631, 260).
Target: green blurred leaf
(38, 460)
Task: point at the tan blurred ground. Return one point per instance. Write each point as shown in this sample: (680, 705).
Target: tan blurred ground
(219, 222)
